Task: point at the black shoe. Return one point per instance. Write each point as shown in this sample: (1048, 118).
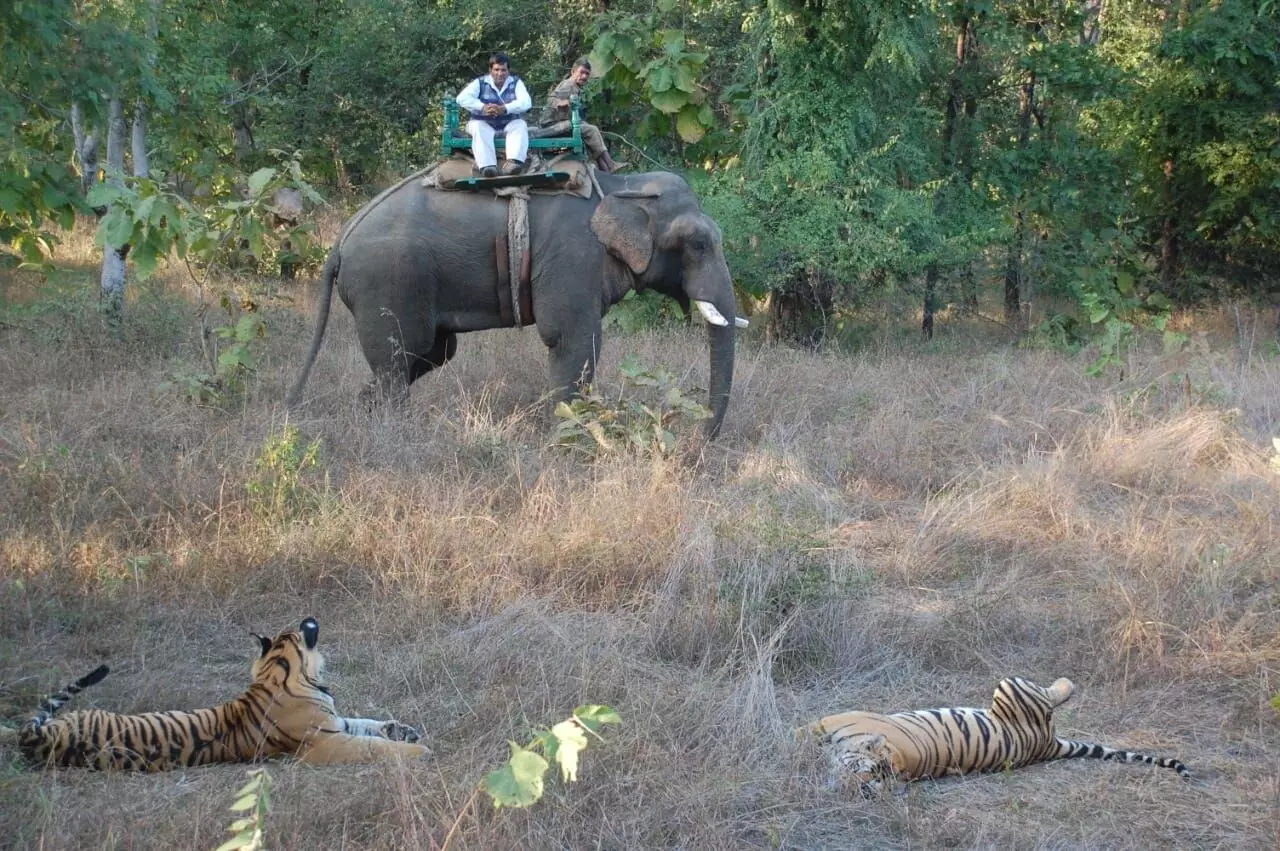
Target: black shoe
(513, 167)
(489, 171)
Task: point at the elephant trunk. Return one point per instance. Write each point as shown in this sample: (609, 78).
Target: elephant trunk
(720, 343)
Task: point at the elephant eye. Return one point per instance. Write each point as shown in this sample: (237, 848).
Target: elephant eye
(698, 244)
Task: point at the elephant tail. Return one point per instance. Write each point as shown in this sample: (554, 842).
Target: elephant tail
(327, 276)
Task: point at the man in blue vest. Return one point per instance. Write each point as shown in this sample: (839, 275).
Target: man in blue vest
(495, 103)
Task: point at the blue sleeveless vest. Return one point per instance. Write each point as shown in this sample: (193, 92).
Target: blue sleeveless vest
(488, 94)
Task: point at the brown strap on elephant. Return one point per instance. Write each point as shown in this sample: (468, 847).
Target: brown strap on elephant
(504, 280)
(526, 287)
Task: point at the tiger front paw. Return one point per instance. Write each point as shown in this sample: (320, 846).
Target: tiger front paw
(397, 732)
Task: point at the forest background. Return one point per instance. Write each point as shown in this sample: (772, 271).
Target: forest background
(1107, 159)
(1069, 472)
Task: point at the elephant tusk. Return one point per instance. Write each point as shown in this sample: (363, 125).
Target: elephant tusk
(709, 313)
(739, 322)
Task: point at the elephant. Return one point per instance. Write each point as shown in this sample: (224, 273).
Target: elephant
(416, 267)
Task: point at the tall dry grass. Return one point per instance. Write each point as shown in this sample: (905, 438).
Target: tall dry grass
(895, 529)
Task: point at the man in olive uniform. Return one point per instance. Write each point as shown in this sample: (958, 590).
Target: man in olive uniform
(557, 112)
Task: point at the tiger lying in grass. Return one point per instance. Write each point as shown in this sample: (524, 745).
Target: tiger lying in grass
(868, 751)
(285, 710)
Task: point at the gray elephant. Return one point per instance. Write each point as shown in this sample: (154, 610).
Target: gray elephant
(416, 267)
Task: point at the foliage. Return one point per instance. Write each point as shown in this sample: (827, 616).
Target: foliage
(841, 143)
(253, 799)
(35, 185)
(278, 490)
(234, 359)
(519, 783)
(643, 419)
(228, 231)
(639, 311)
(647, 56)
(154, 222)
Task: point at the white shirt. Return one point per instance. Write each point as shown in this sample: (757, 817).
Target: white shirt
(469, 98)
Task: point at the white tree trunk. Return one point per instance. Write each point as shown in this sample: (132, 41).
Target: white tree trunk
(112, 292)
(141, 164)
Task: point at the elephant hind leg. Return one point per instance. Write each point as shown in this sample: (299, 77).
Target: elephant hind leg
(388, 387)
(391, 385)
(444, 348)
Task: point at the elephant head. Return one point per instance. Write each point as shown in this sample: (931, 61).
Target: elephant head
(657, 237)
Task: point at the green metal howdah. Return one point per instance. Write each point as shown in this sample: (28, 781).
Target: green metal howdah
(454, 138)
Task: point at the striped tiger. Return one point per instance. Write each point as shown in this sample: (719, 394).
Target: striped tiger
(868, 752)
(285, 711)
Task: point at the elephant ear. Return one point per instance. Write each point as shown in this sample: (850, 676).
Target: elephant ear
(625, 229)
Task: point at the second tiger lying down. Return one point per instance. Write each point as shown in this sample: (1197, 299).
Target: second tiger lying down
(286, 710)
(868, 751)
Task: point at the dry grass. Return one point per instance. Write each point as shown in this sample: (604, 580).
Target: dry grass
(892, 530)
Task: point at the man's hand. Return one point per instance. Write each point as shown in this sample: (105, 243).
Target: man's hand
(494, 109)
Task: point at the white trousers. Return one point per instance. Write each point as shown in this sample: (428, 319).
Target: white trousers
(482, 132)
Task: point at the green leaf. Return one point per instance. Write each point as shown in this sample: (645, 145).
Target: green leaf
(670, 101)
(1124, 283)
(145, 258)
(244, 839)
(683, 80)
(689, 126)
(659, 78)
(259, 180)
(248, 802)
(249, 327)
(673, 42)
(593, 716)
(164, 211)
(626, 53)
(142, 212)
(519, 783)
(104, 195)
(116, 228)
(234, 359)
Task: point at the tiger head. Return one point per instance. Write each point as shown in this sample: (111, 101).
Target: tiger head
(862, 764)
(291, 657)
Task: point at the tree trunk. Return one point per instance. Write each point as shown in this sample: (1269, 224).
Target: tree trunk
(930, 300)
(1091, 26)
(113, 269)
(1013, 295)
(242, 132)
(141, 162)
(1170, 255)
(86, 149)
(957, 162)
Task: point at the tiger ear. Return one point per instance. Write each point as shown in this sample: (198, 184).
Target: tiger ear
(264, 641)
(310, 633)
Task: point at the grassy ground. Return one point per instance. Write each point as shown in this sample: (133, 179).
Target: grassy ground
(894, 530)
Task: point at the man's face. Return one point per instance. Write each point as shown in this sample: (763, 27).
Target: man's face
(580, 75)
(499, 74)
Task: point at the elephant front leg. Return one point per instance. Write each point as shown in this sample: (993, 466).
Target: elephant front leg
(573, 359)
